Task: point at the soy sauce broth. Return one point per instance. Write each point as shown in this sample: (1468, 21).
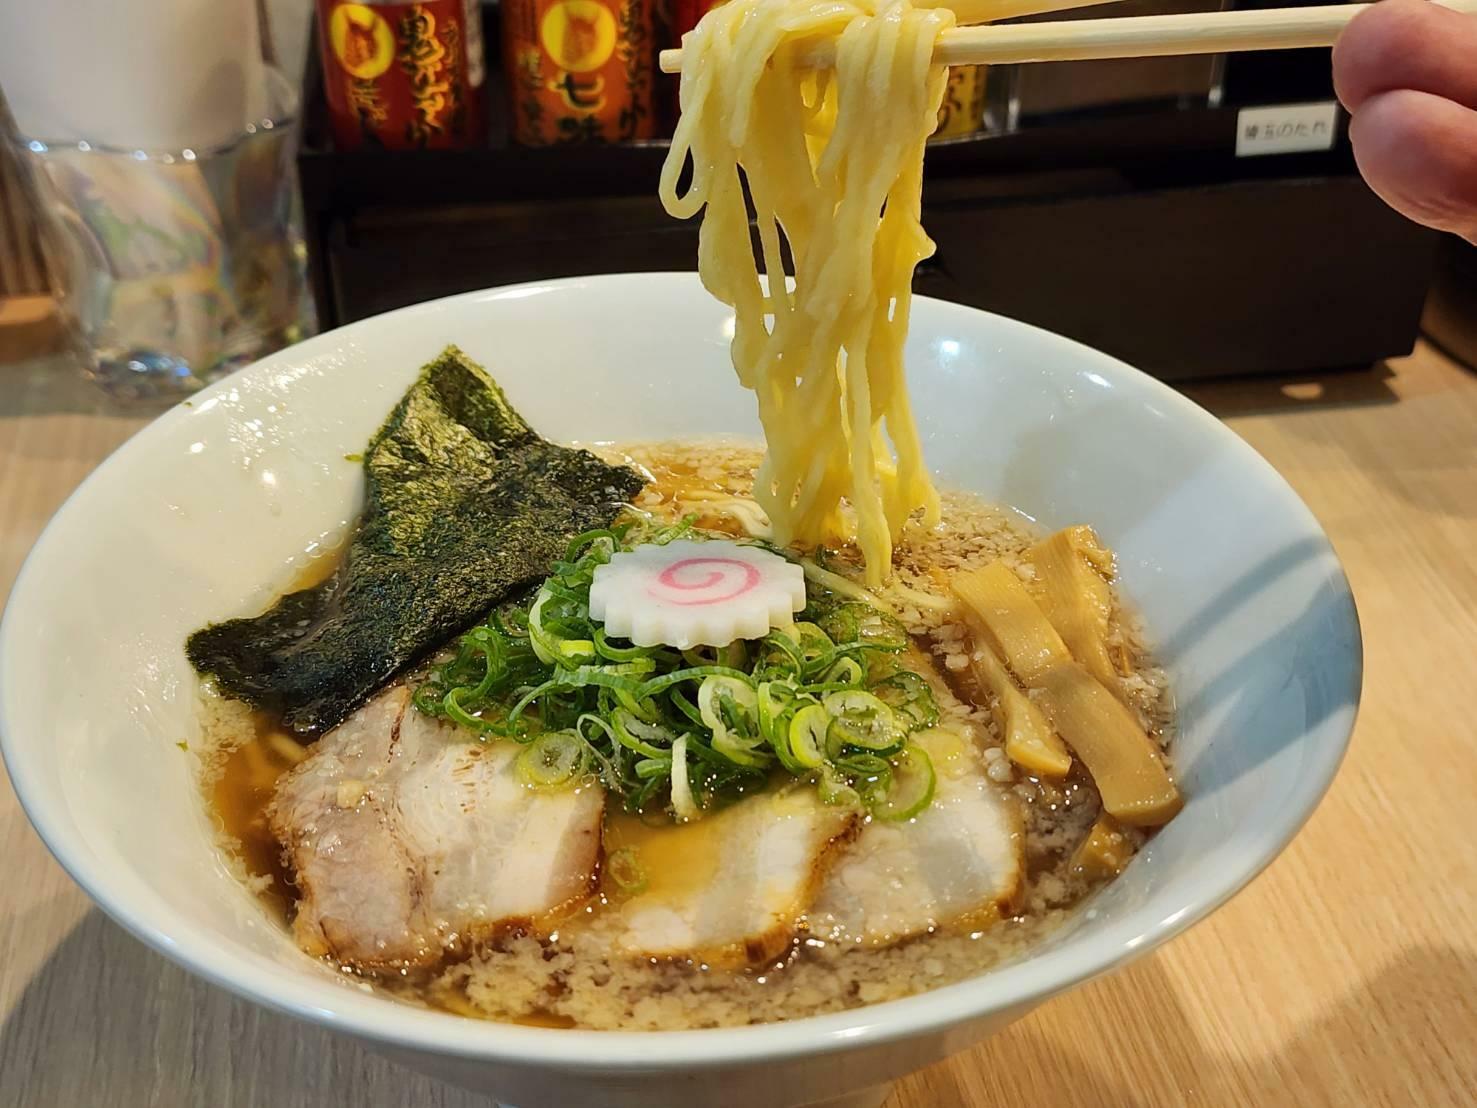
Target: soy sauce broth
(239, 797)
(566, 979)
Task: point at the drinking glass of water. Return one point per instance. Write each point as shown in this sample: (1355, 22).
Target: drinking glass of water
(177, 266)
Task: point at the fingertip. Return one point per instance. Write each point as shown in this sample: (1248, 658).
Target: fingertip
(1418, 152)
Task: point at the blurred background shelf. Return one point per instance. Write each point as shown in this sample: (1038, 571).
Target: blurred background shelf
(1102, 200)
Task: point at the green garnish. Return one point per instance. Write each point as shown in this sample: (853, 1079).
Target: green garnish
(623, 867)
(911, 787)
(554, 758)
(806, 737)
(825, 701)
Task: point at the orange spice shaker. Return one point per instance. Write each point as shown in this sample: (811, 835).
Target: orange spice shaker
(403, 76)
(579, 70)
(963, 109)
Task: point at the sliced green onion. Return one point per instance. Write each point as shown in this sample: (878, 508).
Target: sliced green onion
(685, 705)
(741, 751)
(576, 651)
(715, 692)
(651, 732)
(826, 696)
(721, 764)
(625, 869)
(865, 625)
(451, 707)
(882, 632)
(912, 787)
(730, 709)
(629, 733)
(653, 768)
(429, 699)
(694, 673)
(860, 719)
(554, 758)
(587, 544)
(869, 774)
(610, 769)
(617, 653)
(814, 643)
(682, 802)
(618, 678)
(631, 702)
(774, 699)
(910, 698)
(844, 671)
(784, 653)
(639, 798)
(543, 645)
(735, 655)
(835, 791)
(807, 736)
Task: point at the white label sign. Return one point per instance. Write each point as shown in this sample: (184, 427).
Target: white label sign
(1286, 128)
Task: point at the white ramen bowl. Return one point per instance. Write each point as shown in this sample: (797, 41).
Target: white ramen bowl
(205, 513)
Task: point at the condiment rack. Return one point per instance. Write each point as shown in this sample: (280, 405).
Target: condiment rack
(1139, 231)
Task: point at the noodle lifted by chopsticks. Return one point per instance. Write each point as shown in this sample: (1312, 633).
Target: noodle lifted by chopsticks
(834, 165)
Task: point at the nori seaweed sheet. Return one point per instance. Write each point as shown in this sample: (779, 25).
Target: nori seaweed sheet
(466, 505)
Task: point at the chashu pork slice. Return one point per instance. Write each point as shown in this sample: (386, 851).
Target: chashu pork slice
(959, 861)
(729, 889)
(407, 839)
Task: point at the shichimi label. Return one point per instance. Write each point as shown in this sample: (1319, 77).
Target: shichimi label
(963, 109)
(402, 76)
(579, 70)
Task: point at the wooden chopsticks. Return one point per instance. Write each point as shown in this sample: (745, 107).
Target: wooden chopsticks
(1135, 37)
(993, 11)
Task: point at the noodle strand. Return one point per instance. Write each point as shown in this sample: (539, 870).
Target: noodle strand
(833, 162)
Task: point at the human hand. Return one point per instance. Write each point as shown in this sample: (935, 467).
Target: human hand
(1407, 72)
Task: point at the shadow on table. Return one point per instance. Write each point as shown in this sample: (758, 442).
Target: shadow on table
(78, 1029)
(1354, 388)
(1413, 453)
(1350, 1054)
(105, 1018)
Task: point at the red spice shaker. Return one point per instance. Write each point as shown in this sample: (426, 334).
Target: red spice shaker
(403, 76)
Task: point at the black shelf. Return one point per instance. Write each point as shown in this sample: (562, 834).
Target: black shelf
(1136, 229)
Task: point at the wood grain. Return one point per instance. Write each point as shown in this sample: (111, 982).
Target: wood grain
(1346, 975)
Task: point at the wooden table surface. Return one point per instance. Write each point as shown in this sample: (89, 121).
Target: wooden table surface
(1346, 975)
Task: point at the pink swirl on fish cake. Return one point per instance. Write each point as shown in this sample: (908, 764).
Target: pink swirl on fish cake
(719, 584)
